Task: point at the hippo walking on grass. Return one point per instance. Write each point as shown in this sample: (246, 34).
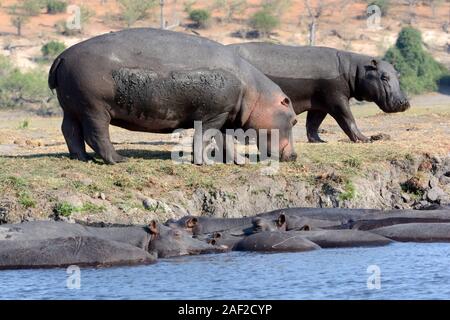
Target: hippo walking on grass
(322, 80)
(157, 81)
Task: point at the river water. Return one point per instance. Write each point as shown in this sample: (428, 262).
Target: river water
(397, 271)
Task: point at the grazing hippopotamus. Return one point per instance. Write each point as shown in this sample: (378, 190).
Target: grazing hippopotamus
(416, 232)
(58, 244)
(322, 80)
(155, 80)
(172, 242)
(277, 241)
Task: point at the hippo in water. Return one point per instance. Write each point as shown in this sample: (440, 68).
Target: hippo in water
(322, 80)
(158, 81)
(45, 244)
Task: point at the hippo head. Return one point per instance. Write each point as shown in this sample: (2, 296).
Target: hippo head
(378, 82)
(276, 116)
(172, 242)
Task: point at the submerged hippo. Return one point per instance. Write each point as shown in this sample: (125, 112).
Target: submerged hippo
(277, 241)
(157, 81)
(59, 244)
(416, 232)
(44, 244)
(322, 80)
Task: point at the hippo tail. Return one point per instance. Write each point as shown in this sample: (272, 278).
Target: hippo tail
(52, 79)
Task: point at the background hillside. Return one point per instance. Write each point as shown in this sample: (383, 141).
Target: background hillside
(340, 23)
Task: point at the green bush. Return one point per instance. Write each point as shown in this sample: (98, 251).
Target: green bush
(419, 71)
(56, 6)
(32, 7)
(383, 4)
(264, 22)
(134, 10)
(200, 17)
(52, 49)
(18, 88)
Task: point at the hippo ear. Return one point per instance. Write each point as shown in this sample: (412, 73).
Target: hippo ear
(153, 227)
(281, 220)
(373, 65)
(286, 102)
(191, 222)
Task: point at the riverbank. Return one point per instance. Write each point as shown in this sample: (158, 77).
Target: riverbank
(409, 170)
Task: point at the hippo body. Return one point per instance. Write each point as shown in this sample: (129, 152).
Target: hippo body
(157, 81)
(45, 244)
(277, 241)
(57, 244)
(206, 225)
(344, 238)
(321, 81)
(416, 232)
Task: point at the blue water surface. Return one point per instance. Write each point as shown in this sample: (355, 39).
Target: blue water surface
(407, 271)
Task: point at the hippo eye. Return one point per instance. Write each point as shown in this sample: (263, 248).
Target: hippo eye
(385, 77)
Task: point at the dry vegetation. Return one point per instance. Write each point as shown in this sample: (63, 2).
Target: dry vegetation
(37, 180)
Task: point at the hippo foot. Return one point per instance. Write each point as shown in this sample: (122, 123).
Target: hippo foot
(316, 140)
(363, 139)
(81, 157)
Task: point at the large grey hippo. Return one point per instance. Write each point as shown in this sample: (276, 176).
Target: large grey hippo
(322, 80)
(157, 81)
(43, 244)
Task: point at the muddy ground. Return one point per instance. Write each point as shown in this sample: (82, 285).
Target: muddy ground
(411, 169)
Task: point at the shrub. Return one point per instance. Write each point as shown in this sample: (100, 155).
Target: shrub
(264, 22)
(134, 10)
(64, 209)
(200, 17)
(56, 6)
(17, 87)
(32, 7)
(384, 5)
(419, 71)
(52, 49)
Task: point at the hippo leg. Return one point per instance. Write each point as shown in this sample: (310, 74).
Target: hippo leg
(96, 134)
(202, 140)
(230, 150)
(346, 121)
(313, 121)
(73, 134)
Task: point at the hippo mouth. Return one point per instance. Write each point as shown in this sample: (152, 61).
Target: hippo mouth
(398, 106)
(286, 155)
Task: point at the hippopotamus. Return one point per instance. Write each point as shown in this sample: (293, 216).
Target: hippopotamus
(158, 81)
(343, 238)
(416, 232)
(43, 244)
(206, 225)
(275, 241)
(322, 80)
(395, 217)
(172, 242)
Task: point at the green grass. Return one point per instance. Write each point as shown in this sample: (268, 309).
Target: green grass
(349, 192)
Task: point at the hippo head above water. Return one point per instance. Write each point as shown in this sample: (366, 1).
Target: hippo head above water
(172, 242)
(378, 82)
